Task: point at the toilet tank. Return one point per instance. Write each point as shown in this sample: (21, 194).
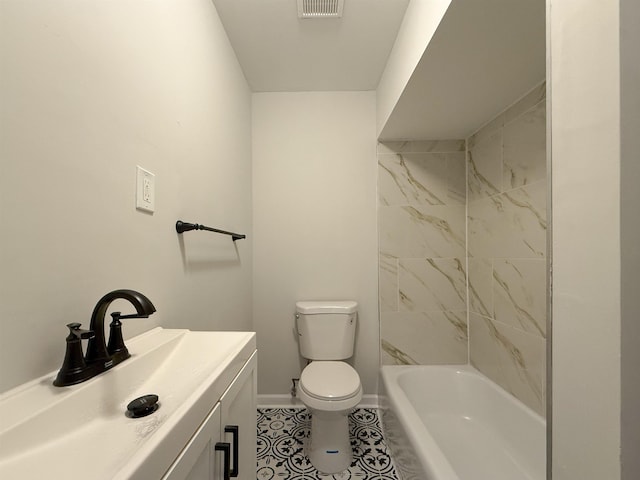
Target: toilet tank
(326, 330)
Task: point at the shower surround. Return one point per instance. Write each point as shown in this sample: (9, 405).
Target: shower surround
(462, 245)
(423, 299)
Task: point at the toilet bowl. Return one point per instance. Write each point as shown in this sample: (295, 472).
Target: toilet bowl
(330, 390)
(329, 387)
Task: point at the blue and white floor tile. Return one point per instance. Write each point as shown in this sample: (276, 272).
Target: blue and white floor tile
(282, 433)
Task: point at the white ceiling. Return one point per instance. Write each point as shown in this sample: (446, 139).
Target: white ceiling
(484, 56)
(280, 52)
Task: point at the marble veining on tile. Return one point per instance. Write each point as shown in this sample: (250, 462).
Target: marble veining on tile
(284, 432)
(480, 285)
(425, 240)
(458, 321)
(422, 189)
(511, 358)
(506, 248)
(509, 225)
(484, 163)
(424, 338)
(422, 231)
(457, 179)
(519, 287)
(397, 356)
(421, 179)
(531, 98)
(525, 149)
(388, 283)
(432, 284)
(522, 199)
(404, 180)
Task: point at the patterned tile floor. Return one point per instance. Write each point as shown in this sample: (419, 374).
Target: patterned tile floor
(282, 433)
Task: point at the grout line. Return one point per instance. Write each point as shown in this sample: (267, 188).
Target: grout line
(466, 245)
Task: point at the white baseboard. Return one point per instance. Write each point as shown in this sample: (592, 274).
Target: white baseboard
(369, 401)
(287, 401)
(284, 400)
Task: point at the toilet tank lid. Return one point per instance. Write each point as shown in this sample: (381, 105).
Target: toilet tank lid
(337, 306)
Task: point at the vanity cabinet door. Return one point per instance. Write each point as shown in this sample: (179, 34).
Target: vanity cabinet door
(239, 409)
(200, 460)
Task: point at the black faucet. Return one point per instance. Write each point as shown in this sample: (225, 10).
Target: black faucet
(100, 356)
(97, 351)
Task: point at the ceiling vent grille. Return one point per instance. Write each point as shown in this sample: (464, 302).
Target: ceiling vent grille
(320, 8)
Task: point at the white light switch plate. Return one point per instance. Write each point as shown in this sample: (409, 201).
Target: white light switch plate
(145, 190)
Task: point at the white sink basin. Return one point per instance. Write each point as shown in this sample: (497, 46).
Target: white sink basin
(82, 431)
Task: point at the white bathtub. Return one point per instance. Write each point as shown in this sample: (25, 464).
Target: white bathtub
(453, 423)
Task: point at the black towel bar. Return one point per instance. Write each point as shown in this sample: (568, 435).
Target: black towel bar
(182, 227)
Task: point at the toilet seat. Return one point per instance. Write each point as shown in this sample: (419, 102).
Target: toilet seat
(330, 383)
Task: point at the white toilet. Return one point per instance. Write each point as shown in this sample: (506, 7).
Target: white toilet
(328, 387)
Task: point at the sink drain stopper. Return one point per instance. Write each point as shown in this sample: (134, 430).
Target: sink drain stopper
(142, 406)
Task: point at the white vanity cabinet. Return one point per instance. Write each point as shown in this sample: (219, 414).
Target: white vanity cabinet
(226, 439)
(199, 460)
(238, 411)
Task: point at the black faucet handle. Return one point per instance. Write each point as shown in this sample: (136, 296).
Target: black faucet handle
(117, 316)
(116, 347)
(76, 332)
(74, 369)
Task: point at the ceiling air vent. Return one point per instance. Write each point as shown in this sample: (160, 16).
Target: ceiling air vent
(320, 8)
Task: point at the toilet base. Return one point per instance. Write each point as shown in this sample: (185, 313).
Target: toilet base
(329, 448)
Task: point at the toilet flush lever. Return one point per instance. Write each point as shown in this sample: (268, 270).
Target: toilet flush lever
(297, 315)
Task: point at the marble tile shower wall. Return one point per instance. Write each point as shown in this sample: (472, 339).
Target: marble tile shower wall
(479, 204)
(506, 243)
(422, 278)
